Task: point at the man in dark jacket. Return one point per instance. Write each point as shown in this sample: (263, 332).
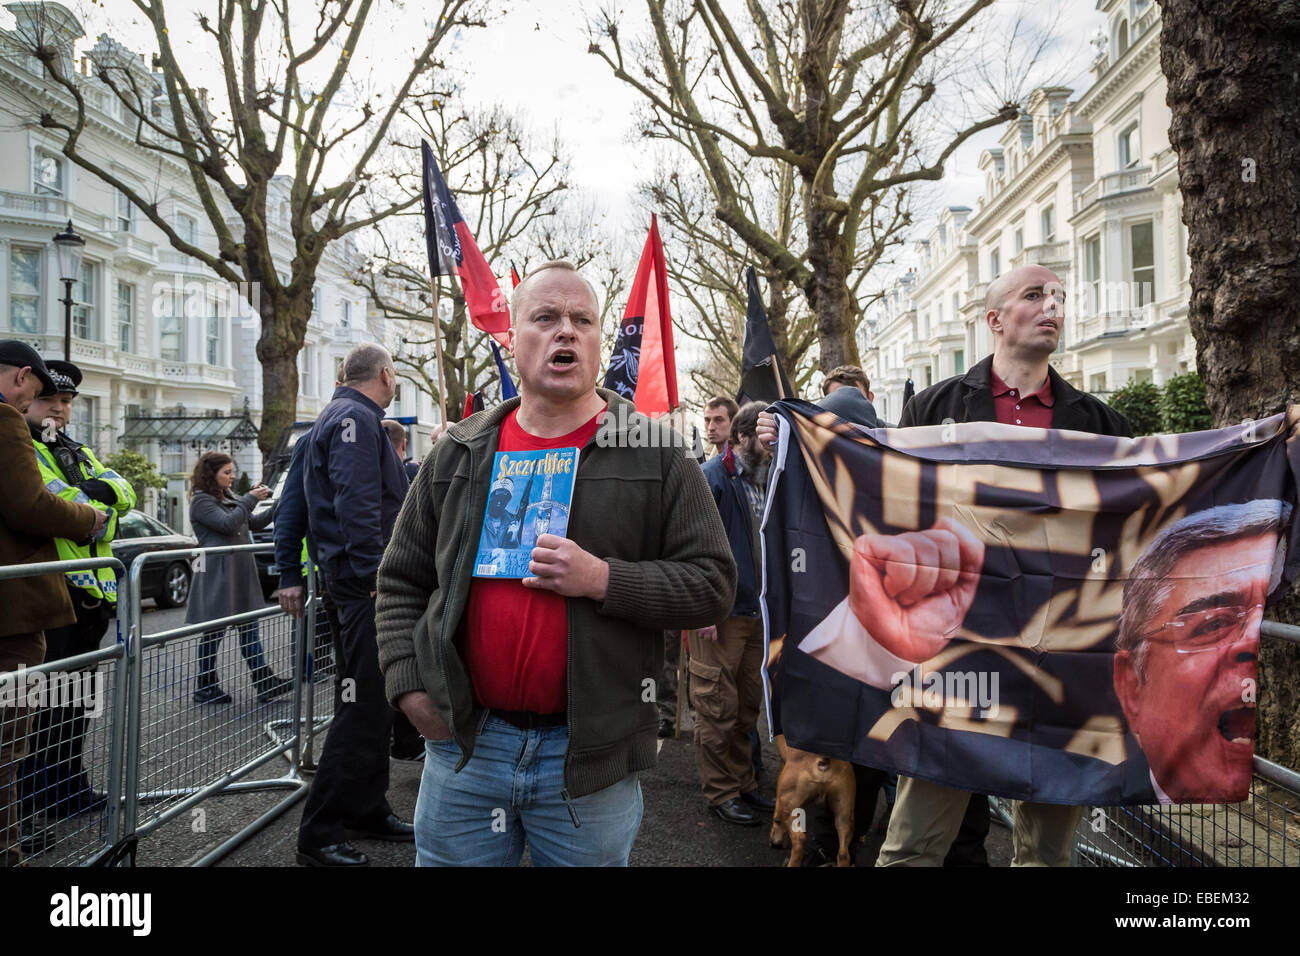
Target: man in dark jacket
(354, 484)
(537, 695)
(727, 660)
(1016, 385)
(30, 519)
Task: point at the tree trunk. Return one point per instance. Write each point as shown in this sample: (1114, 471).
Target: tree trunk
(1233, 85)
(284, 326)
(828, 289)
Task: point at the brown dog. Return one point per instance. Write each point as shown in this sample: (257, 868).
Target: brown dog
(804, 777)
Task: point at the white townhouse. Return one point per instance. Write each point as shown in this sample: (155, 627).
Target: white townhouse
(1087, 187)
(167, 348)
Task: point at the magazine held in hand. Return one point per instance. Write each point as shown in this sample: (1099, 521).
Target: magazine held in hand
(530, 496)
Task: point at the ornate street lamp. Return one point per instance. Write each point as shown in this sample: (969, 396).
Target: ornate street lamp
(70, 248)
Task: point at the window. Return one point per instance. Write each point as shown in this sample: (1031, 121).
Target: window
(1142, 263)
(1121, 39)
(24, 290)
(1092, 274)
(84, 317)
(171, 331)
(187, 227)
(47, 173)
(213, 337)
(1048, 220)
(959, 361)
(956, 305)
(346, 321)
(125, 213)
(315, 302)
(929, 375)
(995, 264)
(125, 317)
(1019, 240)
(307, 371)
(1130, 150)
(1097, 383)
(82, 421)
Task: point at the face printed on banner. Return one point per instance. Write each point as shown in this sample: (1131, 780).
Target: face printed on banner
(1191, 700)
(1031, 310)
(557, 336)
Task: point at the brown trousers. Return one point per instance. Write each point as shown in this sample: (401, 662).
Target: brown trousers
(26, 650)
(726, 692)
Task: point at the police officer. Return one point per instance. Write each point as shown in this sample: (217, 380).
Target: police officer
(54, 780)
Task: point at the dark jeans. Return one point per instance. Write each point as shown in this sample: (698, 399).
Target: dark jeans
(54, 773)
(250, 646)
(351, 783)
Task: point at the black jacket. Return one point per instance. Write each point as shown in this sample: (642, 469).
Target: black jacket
(969, 398)
(851, 405)
(354, 484)
(733, 507)
(291, 521)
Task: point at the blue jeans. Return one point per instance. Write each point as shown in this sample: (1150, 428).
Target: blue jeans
(509, 791)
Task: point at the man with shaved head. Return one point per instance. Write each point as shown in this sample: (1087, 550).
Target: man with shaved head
(1016, 385)
(536, 696)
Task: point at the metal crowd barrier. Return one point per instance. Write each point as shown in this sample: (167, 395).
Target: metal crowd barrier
(156, 752)
(1263, 830)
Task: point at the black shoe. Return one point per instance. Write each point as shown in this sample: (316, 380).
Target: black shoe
(273, 687)
(212, 694)
(733, 811)
(390, 828)
(666, 728)
(758, 801)
(336, 854)
(32, 840)
(83, 801)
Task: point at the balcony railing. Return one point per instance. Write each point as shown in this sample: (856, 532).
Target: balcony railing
(52, 209)
(1095, 326)
(1112, 184)
(175, 261)
(1048, 252)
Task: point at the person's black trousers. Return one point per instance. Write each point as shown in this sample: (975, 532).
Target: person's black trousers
(351, 783)
(968, 847)
(53, 774)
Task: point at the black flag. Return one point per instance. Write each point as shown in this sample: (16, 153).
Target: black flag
(908, 391)
(761, 377)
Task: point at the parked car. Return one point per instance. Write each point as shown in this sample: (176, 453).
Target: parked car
(167, 582)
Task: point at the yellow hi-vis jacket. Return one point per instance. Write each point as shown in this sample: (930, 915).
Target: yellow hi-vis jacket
(98, 582)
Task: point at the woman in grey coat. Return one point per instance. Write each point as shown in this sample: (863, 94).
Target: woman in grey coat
(228, 583)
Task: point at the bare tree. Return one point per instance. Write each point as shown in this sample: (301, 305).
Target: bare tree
(833, 90)
(514, 193)
(1233, 86)
(299, 111)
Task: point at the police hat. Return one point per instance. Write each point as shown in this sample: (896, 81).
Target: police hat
(21, 355)
(66, 376)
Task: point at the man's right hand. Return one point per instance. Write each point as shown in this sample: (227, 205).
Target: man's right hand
(911, 591)
(766, 428)
(292, 600)
(101, 519)
(419, 710)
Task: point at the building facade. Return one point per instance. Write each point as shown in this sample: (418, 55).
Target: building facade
(161, 340)
(1087, 187)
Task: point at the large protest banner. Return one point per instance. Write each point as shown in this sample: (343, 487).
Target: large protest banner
(1038, 614)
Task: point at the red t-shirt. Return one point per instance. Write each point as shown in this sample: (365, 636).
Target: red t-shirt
(1013, 408)
(516, 639)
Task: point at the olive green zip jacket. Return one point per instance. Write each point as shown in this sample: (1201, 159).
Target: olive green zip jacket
(640, 504)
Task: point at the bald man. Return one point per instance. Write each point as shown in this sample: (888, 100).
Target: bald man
(1016, 385)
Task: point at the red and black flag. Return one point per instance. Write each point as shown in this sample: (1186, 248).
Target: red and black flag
(514, 277)
(473, 403)
(453, 251)
(643, 366)
(761, 377)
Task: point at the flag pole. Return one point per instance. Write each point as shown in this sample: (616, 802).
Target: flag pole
(776, 374)
(437, 351)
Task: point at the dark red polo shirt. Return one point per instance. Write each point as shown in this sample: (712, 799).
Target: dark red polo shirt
(1013, 408)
